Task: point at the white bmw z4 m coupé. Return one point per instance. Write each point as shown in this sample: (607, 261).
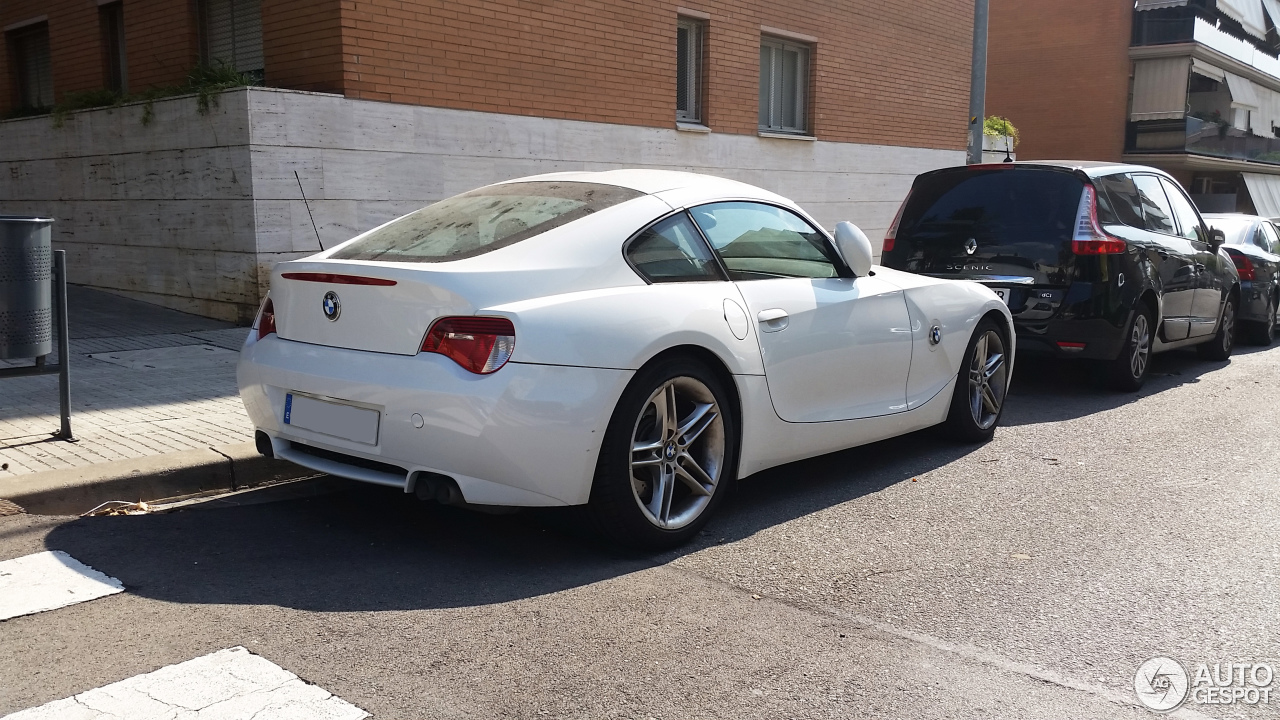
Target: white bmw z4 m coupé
(630, 340)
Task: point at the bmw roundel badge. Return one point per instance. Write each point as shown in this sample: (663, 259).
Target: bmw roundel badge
(331, 305)
(935, 335)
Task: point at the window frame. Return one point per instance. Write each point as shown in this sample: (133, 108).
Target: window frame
(803, 85)
(17, 41)
(1275, 243)
(115, 64)
(842, 268)
(695, 70)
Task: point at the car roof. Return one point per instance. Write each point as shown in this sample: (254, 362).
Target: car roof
(652, 182)
(1091, 168)
(1232, 216)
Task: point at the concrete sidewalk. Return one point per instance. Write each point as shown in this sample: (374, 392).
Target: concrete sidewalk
(150, 389)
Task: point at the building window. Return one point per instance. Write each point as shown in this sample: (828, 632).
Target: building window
(233, 35)
(689, 70)
(115, 71)
(32, 69)
(784, 86)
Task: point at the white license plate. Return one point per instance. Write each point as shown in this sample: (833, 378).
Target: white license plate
(1002, 293)
(328, 418)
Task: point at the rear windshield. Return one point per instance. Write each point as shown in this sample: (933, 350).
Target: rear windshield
(1239, 231)
(484, 220)
(1024, 212)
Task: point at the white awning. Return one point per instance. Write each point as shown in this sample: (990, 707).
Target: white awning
(1273, 9)
(1242, 94)
(1157, 4)
(1265, 191)
(1201, 67)
(1159, 88)
(1248, 13)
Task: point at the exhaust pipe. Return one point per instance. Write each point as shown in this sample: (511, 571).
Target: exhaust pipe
(436, 487)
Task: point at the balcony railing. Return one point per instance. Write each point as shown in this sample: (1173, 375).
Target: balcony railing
(1200, 137)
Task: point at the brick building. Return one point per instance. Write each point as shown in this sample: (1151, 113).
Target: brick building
(1188, 86)
(370, 108)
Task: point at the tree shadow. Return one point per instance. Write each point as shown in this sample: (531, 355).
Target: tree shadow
(367, 548)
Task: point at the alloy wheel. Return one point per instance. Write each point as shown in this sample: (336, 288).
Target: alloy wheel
(1228, 327)
(1140, 346)
(988, 379)
(677, 453)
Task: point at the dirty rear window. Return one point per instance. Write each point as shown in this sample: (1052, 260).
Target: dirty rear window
(484, 220)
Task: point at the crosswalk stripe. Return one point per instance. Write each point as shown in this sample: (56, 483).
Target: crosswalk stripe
(47, 581)
(231, 684)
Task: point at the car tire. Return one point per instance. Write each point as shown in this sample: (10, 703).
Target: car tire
(662, 473)
(1223, 342)
(1128, 372)
(1264, 333)
(982, 384)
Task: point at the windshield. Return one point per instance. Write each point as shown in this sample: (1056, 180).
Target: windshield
(484, 220)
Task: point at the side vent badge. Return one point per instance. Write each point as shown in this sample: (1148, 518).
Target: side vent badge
(935, 335)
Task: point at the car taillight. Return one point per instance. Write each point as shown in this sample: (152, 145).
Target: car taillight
(481, 345)
(1244, 266)
(266, 322)
(891, 236)
(1090, 238)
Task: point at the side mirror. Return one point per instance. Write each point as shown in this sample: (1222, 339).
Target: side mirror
(854, 247)
(1216, 238)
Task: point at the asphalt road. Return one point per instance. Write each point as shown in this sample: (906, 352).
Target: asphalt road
(914, 578)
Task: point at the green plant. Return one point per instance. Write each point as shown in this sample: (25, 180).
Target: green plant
(1000, 127)
(203, 81)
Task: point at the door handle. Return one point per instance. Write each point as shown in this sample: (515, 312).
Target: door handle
(773, 319)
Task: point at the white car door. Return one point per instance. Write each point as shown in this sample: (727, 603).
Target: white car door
(834, 348)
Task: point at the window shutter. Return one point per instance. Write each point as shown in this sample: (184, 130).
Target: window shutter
(233, 34)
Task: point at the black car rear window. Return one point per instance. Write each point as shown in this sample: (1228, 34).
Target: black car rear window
(484, 220)
(1007, 208)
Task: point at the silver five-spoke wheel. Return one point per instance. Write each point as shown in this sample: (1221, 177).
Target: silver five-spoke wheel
(1139, 346)
(988, 379)
(677, 453)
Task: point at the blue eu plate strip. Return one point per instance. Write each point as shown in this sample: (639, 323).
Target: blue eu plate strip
(288, 407)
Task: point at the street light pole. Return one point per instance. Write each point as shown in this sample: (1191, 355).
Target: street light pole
(978, 81)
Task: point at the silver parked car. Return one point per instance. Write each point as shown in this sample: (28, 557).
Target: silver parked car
(1254, 245)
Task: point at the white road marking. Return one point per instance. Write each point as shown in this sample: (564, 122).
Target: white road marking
(232, 684)
(47, 581)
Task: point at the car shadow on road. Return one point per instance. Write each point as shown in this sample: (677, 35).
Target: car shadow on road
(369, 548)
(1047, 389)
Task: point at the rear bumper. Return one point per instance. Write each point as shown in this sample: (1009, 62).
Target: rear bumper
(1253, 301)
(525, 435)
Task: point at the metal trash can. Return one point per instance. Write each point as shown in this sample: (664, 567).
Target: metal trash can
(26, 287)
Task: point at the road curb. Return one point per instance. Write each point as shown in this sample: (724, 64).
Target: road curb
(159, 477)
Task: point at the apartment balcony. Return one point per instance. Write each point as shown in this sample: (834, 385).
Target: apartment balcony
(1195, 136)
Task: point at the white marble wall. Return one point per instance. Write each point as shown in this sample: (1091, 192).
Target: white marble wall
(191, 211)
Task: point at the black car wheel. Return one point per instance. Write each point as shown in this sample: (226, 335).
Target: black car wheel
(1264, 333)
(1219, 348)
(1128, 371)
(981, 386)
(668, 456)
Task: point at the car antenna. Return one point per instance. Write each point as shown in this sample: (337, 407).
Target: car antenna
(1007, 156)
(304, 202)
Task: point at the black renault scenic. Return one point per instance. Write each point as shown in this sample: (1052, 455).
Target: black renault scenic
(1101, 261)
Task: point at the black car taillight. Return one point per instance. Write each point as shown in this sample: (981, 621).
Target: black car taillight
(1089, 237)
(891, 235)
(1244, 266)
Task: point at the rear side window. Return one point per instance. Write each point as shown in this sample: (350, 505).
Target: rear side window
(757, 241)
(1024, 212)
(671, 250)
(484, 220)
(1155, 206)
(1125, 201)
